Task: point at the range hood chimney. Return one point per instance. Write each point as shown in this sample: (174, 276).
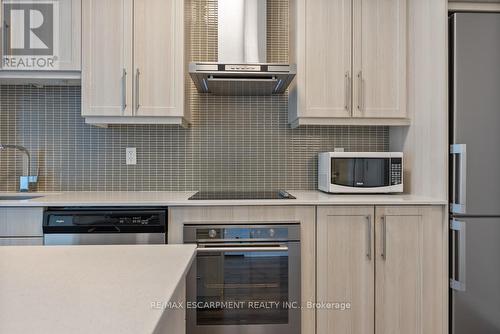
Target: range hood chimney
(242, 67)
(242, 28)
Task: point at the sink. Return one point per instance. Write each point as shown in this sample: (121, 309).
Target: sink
(18, 197)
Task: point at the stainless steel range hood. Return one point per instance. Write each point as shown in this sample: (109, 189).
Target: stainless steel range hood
(242, 47)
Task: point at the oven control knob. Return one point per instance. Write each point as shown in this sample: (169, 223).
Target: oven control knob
(212, 234)
(272, 232)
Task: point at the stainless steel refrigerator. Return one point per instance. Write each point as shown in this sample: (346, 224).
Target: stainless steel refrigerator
(475, 173)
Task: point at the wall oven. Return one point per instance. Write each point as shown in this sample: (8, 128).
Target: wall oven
(246, 279)
(360, 172)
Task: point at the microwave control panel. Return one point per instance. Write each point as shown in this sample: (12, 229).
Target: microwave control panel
(396, 171)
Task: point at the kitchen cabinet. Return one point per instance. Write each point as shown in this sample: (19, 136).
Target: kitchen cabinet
(21, 226)
(351, 62)
(474, 5)
(21, 241)
(327, 69)
(402, 256)
(133, 62)
(107, 58)
(379, 83)
(411, 280)
(54, 49)
(345, 269)
(16, 222)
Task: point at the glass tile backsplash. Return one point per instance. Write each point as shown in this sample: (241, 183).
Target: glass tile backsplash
(233, 143)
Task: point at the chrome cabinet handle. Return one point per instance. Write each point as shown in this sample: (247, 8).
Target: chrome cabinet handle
(347, 96)
(459, 178)
(360, 90)
(384, 238)
(241, 249)
(369, 237)
(457, 279)
(137, 91)
(124, 89)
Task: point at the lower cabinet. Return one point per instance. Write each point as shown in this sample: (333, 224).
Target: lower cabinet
(20, 222)
(21, 226)
(385, 267)
(21, 241)
(345, 269)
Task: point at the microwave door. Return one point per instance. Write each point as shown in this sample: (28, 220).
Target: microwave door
(372, 173)
(359, 173)
(377, 173)
(343, 171)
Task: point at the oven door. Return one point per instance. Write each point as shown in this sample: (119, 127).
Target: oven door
(245, 288)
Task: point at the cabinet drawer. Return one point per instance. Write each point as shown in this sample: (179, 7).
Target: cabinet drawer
(21, 222)
(21, 241)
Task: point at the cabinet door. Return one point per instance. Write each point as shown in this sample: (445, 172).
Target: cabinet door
(21, 222)
(54, 42)
(345, 269)
(411, 275)
(379, 58)
(21, 241)
(70, 45)
(158, 58)
(327, 73)
(107, 58)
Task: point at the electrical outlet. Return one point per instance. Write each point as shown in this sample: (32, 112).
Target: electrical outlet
(131, 155)
(338, 149)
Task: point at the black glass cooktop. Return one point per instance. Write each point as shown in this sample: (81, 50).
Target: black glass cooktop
(241, 195)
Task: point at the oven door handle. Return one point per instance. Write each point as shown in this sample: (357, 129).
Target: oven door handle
(242, 249)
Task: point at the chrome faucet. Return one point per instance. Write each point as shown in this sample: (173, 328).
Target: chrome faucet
(27, 182)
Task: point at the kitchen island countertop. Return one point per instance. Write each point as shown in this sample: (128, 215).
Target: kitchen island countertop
(89, 289)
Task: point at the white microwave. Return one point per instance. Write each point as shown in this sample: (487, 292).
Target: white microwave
(360, 172)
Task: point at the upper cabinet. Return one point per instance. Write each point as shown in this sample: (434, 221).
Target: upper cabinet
(133, 62)
(351, 62)
(159, 57)
(379, 45)
(40, 39)
(327, 71)
(107, 74)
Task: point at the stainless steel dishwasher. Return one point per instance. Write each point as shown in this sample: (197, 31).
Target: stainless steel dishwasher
(105, 226)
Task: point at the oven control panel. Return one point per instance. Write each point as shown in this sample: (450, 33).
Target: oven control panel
(271, 233)
(232, 233)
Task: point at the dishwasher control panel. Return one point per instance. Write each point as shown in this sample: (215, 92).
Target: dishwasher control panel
(105, 220)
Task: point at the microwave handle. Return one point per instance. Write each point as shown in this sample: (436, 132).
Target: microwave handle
(241, 249)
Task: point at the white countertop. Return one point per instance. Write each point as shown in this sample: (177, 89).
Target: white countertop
(166, 198)
(88, 289)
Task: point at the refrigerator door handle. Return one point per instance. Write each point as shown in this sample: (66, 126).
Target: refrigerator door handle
(459, 200)
(458, 262)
